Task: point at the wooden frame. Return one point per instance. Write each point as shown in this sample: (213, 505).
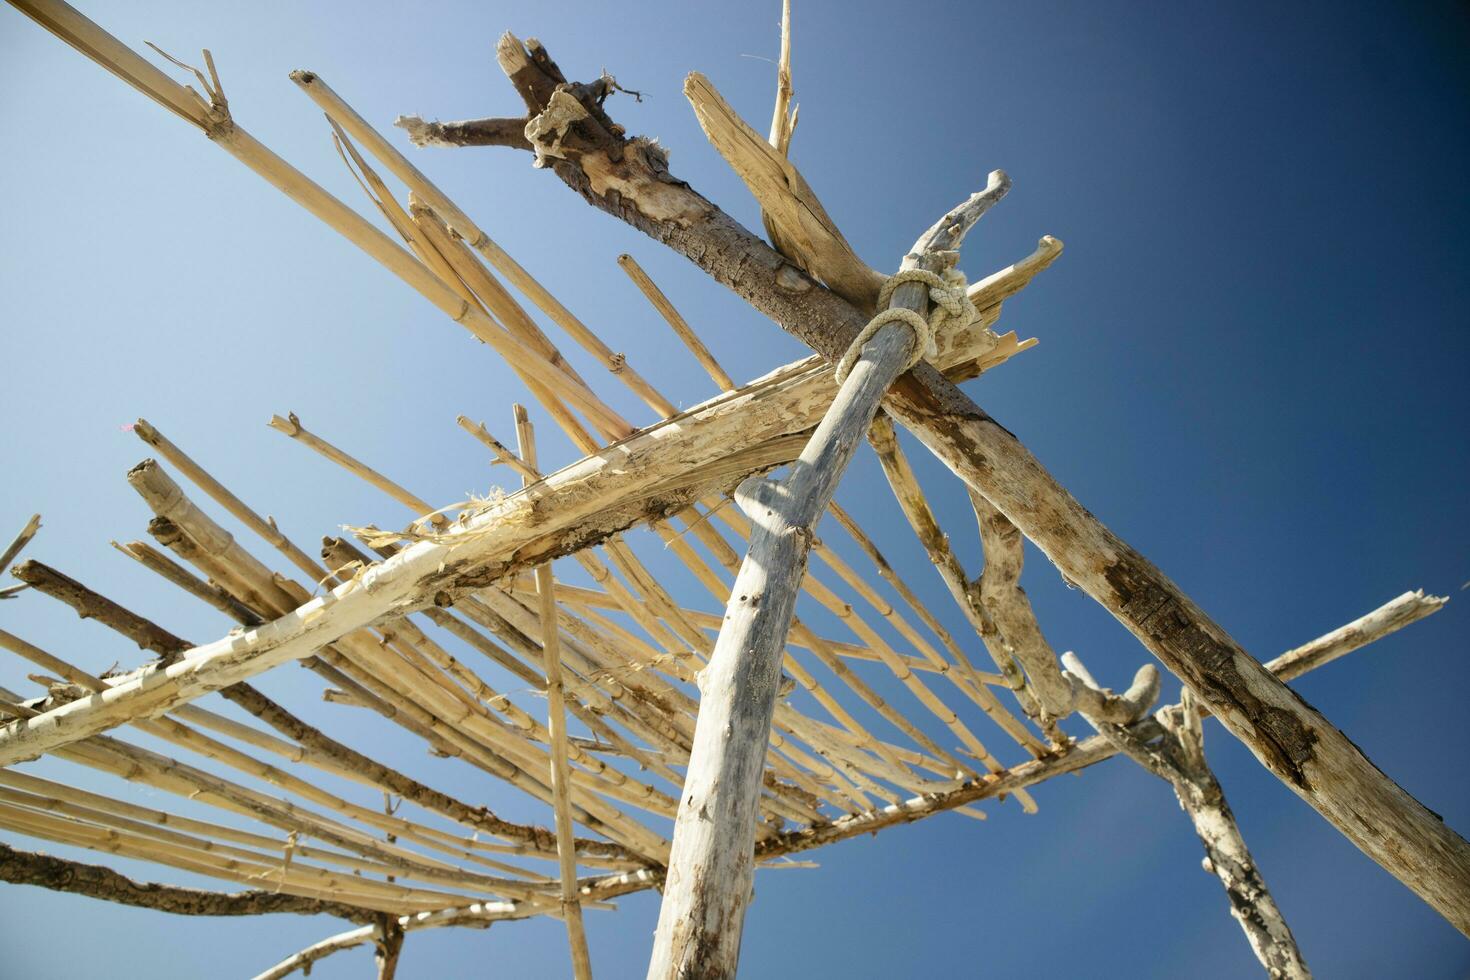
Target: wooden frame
(756, 741)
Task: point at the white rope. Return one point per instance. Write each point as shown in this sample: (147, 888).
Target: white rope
(947, 299)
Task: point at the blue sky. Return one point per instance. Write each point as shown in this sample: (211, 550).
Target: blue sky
(1252, 366)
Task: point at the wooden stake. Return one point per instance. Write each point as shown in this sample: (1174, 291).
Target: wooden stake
(557, 722)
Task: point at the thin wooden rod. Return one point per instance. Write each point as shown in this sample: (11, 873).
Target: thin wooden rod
(556, 721)
(972, 682)
(343, 114)
(263, 526)
(21, 540)
(323, 751)
(179, 734)
(676, 321)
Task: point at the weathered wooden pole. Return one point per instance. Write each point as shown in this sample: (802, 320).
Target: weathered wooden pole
(1178, 758)
(712, 862)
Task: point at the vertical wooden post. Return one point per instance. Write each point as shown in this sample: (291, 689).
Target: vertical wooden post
(387, 945)
(712, 862)
(556, 723)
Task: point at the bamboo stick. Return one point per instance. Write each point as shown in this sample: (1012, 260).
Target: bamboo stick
(631, 567)
(399, 493)
(378, 895)
(179, 734)
(165, 496)
(676, 321)
(556, 721)
(317, 749)
(977, 680)
(338, 110)
(921, 518)
(265, 527)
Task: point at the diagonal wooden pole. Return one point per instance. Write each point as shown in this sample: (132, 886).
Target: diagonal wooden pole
(556, 722)
(712, 862)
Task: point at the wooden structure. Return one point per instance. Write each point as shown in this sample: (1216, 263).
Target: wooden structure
(676, 749)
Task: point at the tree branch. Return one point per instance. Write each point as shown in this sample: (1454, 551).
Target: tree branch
(96, 881)
(467, 132)
(1179, 759)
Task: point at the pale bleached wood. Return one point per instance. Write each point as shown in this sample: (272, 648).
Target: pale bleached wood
(701, 918)
(407, 863)
(366, 658)
(920, 517)
(801, 228)
(643, 794)
(711, 862)
(973, 451)
(1407, 608)
(1308, 754)
(556, 721)
(1101, 704)
(309, 744)
(477, 915)
(783, 116)
(1179, 759)
(346, 888)
(1083, 754)
(1226, 854)
(1010, 610)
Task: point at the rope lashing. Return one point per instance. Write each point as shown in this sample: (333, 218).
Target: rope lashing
(947, 299)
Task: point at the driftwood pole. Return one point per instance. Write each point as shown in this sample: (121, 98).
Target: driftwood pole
(711, 864)
(1179, 759)
(629, 179)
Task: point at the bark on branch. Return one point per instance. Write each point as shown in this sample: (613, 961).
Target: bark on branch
(96, 881)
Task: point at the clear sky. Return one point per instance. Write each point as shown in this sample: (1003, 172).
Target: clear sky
(1253, 366)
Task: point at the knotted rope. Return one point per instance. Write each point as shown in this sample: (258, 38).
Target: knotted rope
(947, 299)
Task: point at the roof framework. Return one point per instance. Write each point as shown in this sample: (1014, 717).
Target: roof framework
(677, 748)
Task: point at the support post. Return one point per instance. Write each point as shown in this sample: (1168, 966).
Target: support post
(711, 864)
